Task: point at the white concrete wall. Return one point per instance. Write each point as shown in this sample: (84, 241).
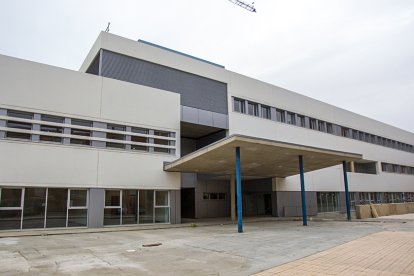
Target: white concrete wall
(40, 88)
(330, 179)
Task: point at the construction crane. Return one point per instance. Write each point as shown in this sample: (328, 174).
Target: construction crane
(249, 7)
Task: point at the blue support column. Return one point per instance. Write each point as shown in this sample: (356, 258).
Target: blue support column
(302, 188)
(239, 192)
(348, 205)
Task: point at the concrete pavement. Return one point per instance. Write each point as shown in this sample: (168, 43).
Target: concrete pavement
(208, 250)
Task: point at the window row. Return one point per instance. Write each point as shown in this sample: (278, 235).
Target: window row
(394, 168)
(214, 196)
(124, 207)
(283, 116)
(55, 129)
(29, 208)
(329, 201)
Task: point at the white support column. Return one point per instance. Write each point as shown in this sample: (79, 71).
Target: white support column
(233, 197)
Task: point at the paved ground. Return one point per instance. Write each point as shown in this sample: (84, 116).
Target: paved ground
(383, 253)
(209, 250)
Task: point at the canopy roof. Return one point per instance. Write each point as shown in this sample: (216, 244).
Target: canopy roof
(259, 157)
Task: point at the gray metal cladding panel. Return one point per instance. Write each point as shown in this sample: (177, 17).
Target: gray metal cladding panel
(196, 91)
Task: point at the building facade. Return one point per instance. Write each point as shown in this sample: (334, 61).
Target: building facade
(88, 148)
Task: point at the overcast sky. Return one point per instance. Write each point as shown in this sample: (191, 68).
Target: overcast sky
(358, 55)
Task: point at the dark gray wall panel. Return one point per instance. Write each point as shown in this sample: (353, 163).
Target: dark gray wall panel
(96, 207)
(289, 204)
(196, 91)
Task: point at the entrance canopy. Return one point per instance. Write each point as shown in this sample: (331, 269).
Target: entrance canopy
(259, 157)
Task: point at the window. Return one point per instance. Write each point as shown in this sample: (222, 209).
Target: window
(164, 142)
(291, 118)
(146, 206)
(56, 207)
(112, 211)
(367, 168)
(355, 134)
(115, 136)
(280, 115)
(77, 208)
(301, 121)
(345, 132)
(253, 109)
(162, 207)
(80, 132)
(34, 208)
(214, 196)
(239, 105)
(327, 201)
(312, 124)
(139, 139)
(265, 112)
(129, 206)
(10, 208)
(51, 128)
(329, 128)
(321, 126)
(19, 125)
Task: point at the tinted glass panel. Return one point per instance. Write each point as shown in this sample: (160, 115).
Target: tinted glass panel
(146, 206)
(112, 216)
(56, 207)
(162, 215)
(77, 217)
(19, 125)
(78, 198)
(34, 208)
(161, 198)
(81, 122)
(112, 198)
(10, 219)
(15, 135)
(20, 114)
(80, 142)
(129, 206)
(10, 197)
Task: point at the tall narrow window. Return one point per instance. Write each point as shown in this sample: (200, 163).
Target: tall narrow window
(280, 115)
(51, 128)
(329, 128)
(291, 118)
(112, 212)
(312, 124)
(239, 105)
(265, 112)
(321, 126)
(345, 132)
(10, 208)
(253, 108)
(301, 121)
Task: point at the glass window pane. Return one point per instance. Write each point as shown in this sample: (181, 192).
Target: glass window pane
(112, 198)
(146, 206)
(11, 197)
(77, 217)
(56, 207)
(112, 216)
(34, 208)
(129, 206)
(19, 114)
(78, 198)
(10, 219)
(162, 215)
(161, 198)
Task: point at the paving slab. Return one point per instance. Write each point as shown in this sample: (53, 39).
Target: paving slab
(207, 250)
